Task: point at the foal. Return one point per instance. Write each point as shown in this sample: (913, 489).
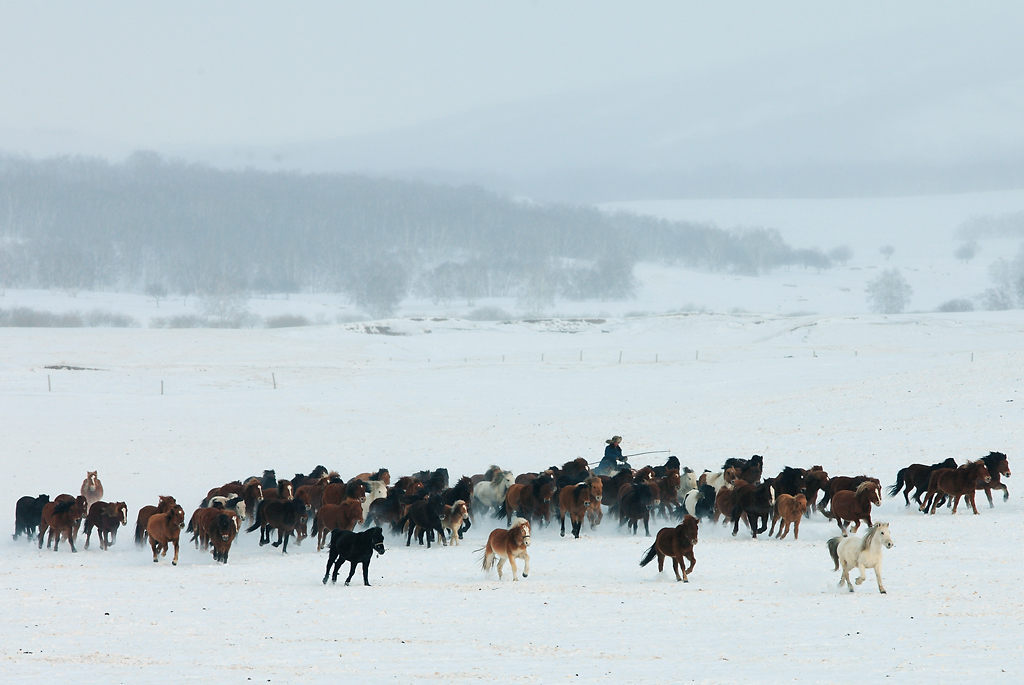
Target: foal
(509, 544)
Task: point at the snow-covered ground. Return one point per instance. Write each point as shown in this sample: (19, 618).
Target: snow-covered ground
(853, 393)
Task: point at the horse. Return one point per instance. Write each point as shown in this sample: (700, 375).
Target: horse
(106, 518)
(749, 470)
(573, 500)
(283, 491)
(789, 510)
(508, 544)
(286, 516)
(336, 493)
(221, 532)
(815, 480)
(998, 467)
(668, 491)
(862, 553)
(61, 516)
(312, 496)
(387, 510)
(454, 515)
(594, 514)
(375, 489)
(724, 500)
(234, 503)
(676, 543)
(577, 469)
(720, 479)
(463, 490)
(166, 504)
(915, 477)
(487, 475)
(342, 516)
(670, 463)
(613, 485)
(381, 474)
(27, 514)
(357, 548)
(636, 504)
(959, 482)
(315, 476)
(855, 506)
(163, 529)
(199, 523)
(526, 500)
(425, 515)
(790, 481)
(434, 481)
(92, 489)
(756, 502)
(839, 483)
(700, 502)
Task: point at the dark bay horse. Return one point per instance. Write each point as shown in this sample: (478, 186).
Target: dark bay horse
(287, 516)
(756, 503)
(574, 500)
(957, 483)
(106, 518)
(28, 512)
(915, 477)
(676, 543)
(998, 467)
(62, 517)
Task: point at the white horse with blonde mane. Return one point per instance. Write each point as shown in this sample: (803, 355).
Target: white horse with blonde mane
(490, 494)
(863, 553)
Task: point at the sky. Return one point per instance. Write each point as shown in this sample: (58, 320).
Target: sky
(112, 77)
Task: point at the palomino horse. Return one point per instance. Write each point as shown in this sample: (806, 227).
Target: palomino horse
(862, 553)
(677, 543)
(959, 482)
(855, 506)
(573, 500)
(164, 529)
(92, 489)
(509, 544)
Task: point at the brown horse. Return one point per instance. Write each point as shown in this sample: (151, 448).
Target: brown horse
(815, 481)
(959, 482)
(838, 483)
(164, 529)
(221, 532)
(283, 491)
(166, 504)
(92, 489)
(106, 518)
(676, 543)
(574, 500)
(527, 500)
(668, 490)
(594, 514)
(724, 500)
(454, 515)
(855, 506)
(199, 524)
(789, 510)
(915, 477)
(286, 516)
(61, 517)
(381, 474)
(330, 517)
(509, 544)
(336, 493)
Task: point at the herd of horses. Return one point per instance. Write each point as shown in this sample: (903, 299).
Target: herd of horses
(426, 506)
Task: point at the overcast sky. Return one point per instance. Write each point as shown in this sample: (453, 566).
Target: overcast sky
(142, 75)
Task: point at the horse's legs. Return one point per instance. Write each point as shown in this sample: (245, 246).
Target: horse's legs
(845, 578)
(501, 565)
(512, 563)
(675, 567)
(862, 571)
(988, 493)
(693, 562)
(366, 572)
(526, 564)
(878, 576)
(973, 505)
(154, 544)
(956, 503)
(174, 561)
(561, 518)
(351, 570)
(281, 534)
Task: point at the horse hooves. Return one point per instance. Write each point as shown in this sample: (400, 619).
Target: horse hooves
(563, 533)
(882, 592)
(174, 563)
(155, 561)
(347, 582)
(525, 574)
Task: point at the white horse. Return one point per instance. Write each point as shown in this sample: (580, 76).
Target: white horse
(863, 553)
(716, 480)
(490, 494)
(687, 482)
(375, 489)
(228, 503)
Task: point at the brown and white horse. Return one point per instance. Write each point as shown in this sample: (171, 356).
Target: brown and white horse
(509, 544)
(92, 489)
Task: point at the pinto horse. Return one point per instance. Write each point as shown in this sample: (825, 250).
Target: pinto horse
(106, 518)
(676, 543)
(862, 553)
(959, 482)
(165, 529)
(357, 548)
(915, 477)
(61, 517)
(92, 489)
(574, 500)
(508, 544)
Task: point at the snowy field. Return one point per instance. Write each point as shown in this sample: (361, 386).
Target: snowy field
(856, 394)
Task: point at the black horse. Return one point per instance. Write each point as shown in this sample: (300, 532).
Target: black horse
(916, 477)
(424, 515)
(314, 477)
(433, 481)
(750, 470)
(285, 515)
(672, 463)
(28, 512)
(756, 501)
(634, 505)
(356, 548)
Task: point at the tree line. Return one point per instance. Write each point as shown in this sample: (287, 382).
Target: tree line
(150, 223)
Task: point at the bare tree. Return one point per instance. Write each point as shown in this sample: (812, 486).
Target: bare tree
(887, 251)
(889, 293)
(157, 291)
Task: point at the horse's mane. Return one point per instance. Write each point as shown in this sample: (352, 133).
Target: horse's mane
(61, 507)
(871, 535)
(864, 486)
(518, 522)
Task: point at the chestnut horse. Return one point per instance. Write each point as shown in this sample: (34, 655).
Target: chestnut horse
(676, 543)
(164, 529)
(855, 506)
(330, 517)
(509, 544)
(527, 500)
(574, 500)
(166, 504)
(454, 515)
(106, 518)
(958, 482)
(789, 510)
(61, 517)
(92, 489)
(594, 514)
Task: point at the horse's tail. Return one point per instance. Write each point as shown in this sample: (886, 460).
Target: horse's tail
(316, 527)
(483, 553)
(191, 524)
(649, 554)
(139, 531)
(502, 511)
(894, 489)
(833, 549)
(257, 517)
